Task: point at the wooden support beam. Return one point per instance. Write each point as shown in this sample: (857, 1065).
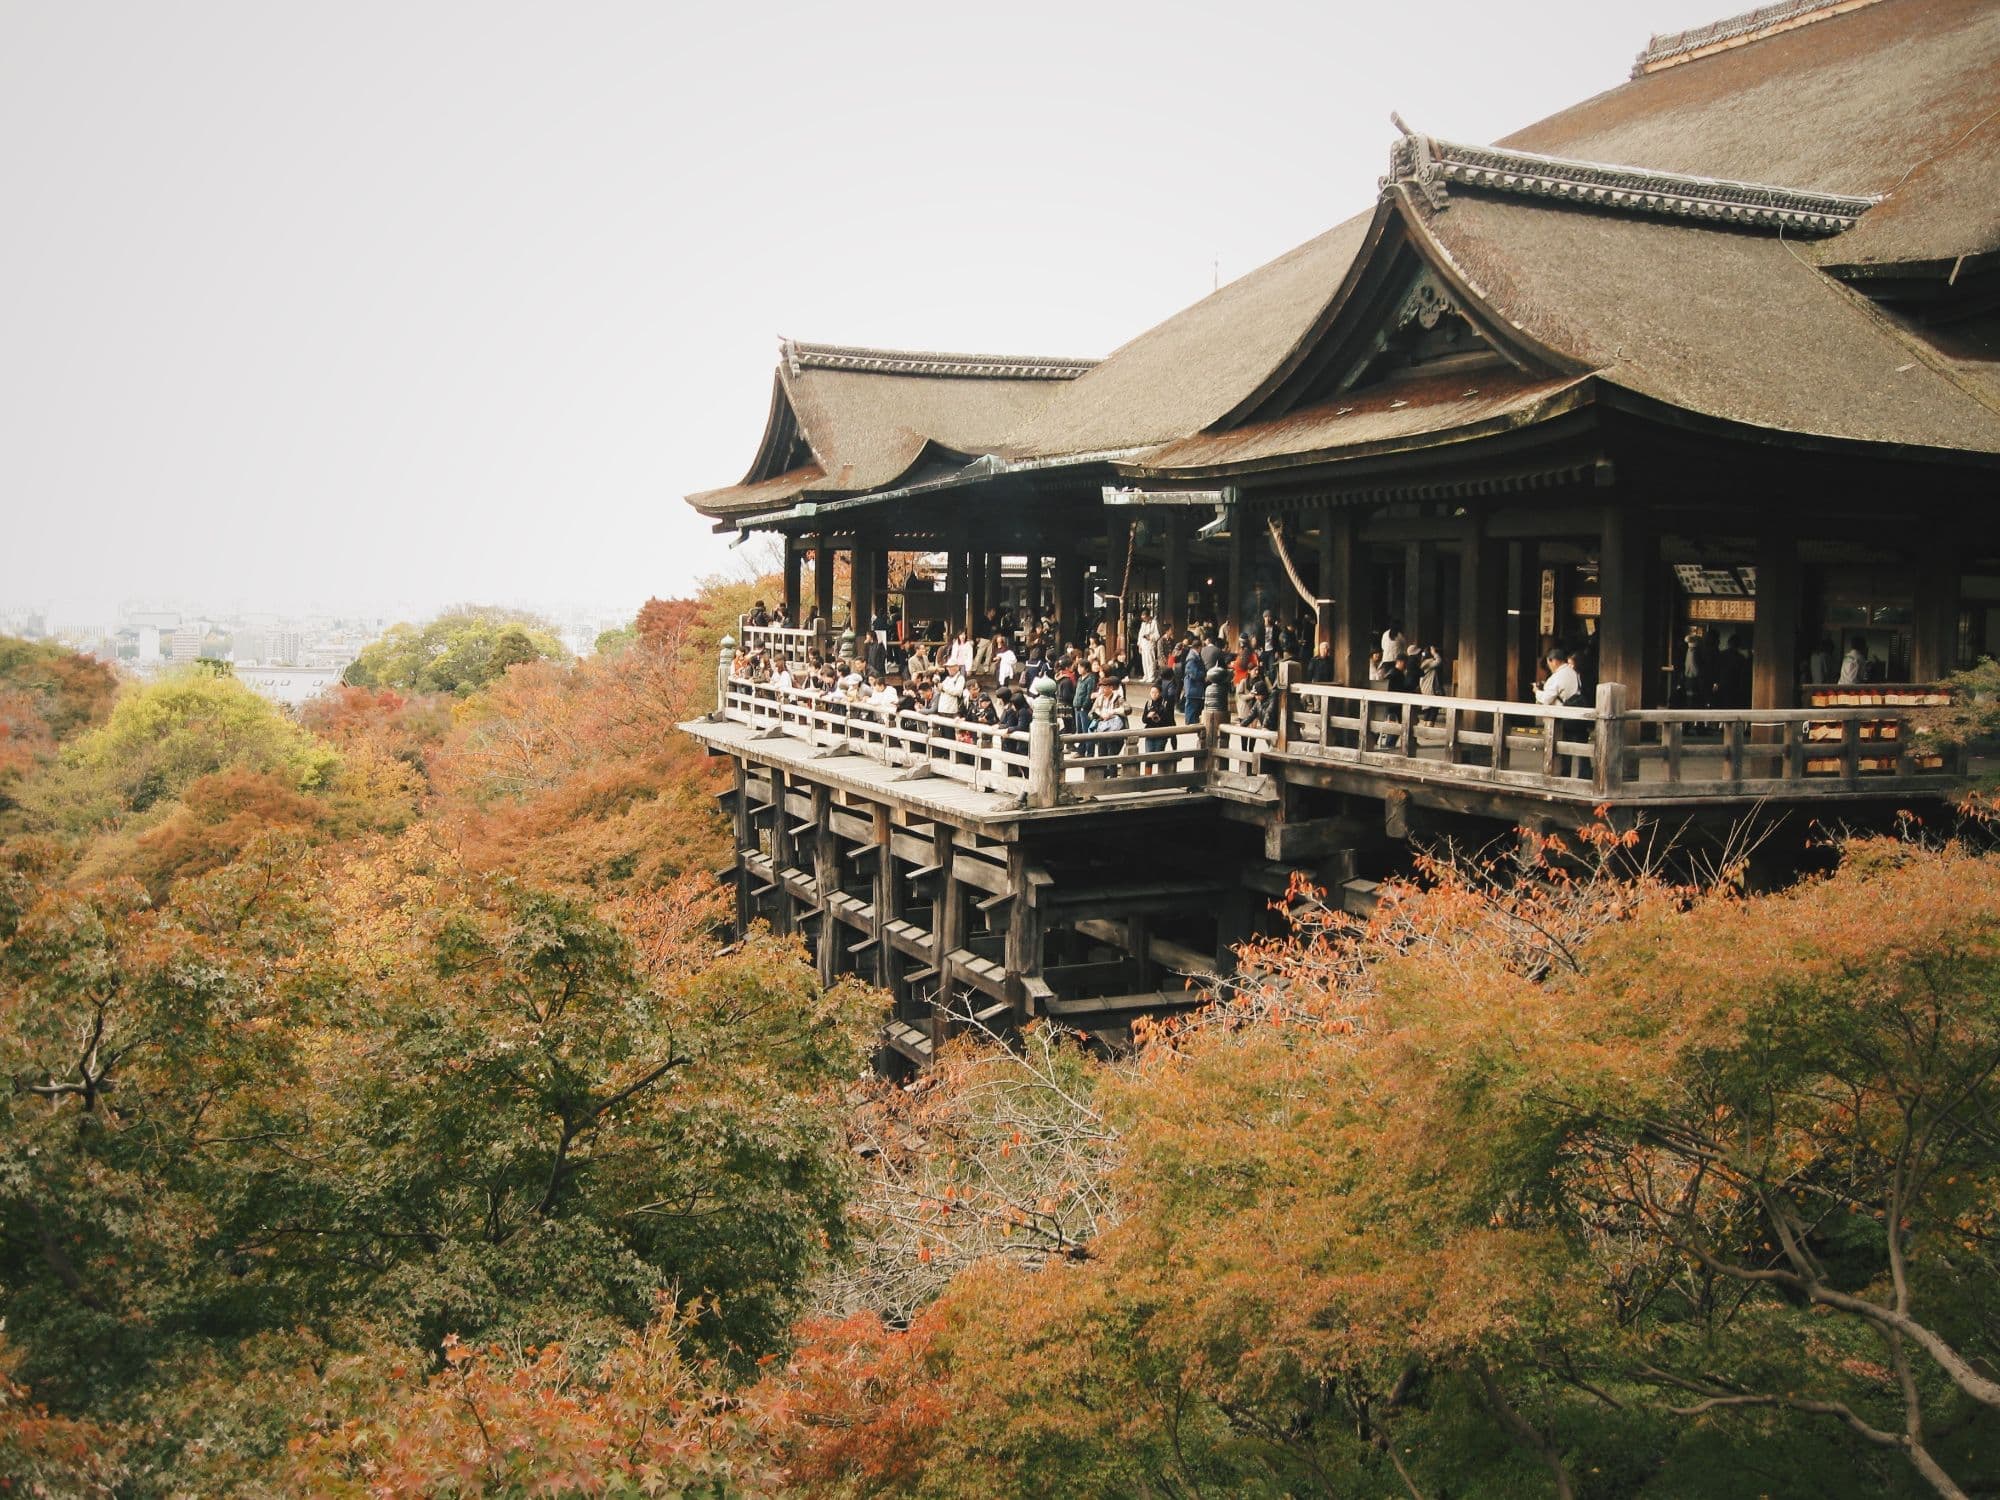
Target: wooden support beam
(823, 579)
(888, 906)
(1477, 669)
(1235, 583)
(1775, 635)
(1033, 585)
(1934, 647)
(745, 834)
(1351, 633)
(1024, 934)
(826, 876)
(1627, 571)
(1174, 576)
(946, 922)
(794, 566)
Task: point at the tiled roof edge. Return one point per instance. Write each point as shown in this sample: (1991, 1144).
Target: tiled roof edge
(1432, 166)
(802, 356)
(1685, 46)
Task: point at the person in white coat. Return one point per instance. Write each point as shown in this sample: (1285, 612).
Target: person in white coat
(1149, 646)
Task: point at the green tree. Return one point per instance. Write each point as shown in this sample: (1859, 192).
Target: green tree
(160, 738)
(458, 652)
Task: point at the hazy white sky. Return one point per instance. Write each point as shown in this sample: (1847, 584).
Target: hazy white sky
(389, 303)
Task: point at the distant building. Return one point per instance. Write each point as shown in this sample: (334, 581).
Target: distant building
(185, 644)
(290, 686)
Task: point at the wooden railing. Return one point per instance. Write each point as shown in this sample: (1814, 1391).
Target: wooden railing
(790, 644)
(1624, 754)
(1607, 753)
(1103, 763)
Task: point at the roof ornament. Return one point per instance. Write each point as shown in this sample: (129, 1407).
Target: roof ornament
(788, 351)
(1429, 164)
(1414, 160)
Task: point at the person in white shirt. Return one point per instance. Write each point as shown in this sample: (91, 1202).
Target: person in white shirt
(884, 701)
(1854, 665)
(1563, 684)
(782, 678)
(1005, 666)
(959, 658)
(1393, 642)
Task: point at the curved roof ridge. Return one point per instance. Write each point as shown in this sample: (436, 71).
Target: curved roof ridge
(1429, 165)
(800, 355)
(1673, 47)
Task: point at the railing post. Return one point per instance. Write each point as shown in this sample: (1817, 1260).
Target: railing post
(1044, 746)
(1288, 673)
(1608, 768)
(1212, 714)
(724, 660)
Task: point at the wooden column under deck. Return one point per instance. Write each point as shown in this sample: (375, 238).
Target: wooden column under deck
(745, 832)
(1775, 635)
(994, 588)
(946, 908)
(826, 880)
(1421, 624)
(888, 902)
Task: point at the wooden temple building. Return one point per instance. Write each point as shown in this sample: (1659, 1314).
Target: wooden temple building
(1718, 347)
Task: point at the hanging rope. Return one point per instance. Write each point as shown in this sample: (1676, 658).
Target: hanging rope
(1291, 572)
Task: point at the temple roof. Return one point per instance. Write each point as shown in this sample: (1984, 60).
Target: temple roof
(1671, 239)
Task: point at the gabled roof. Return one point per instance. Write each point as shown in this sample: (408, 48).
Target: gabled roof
(1664, 240)
(845, 419)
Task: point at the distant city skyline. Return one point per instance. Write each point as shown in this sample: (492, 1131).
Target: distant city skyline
(383, 307)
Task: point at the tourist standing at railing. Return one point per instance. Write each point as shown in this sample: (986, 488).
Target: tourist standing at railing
(959, 658)
(1320, 668)
(1006, 664)
(1086, 696)
(1563, 687)
(885, 700)
(1149, 645)
(1192, 683)
(759, 616)
(1157, 713)
(951, 691)
(1108, 718)
(1393, 641)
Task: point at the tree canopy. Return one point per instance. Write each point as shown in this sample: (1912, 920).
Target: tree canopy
(458, 652)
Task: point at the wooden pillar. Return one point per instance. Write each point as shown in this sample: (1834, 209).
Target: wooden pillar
(1174, 574)
(1775, 635)
(975, 598)
(1420, 593)
(794, 568)
(1235, 584)
(882, 581)
(1069, 595)
(1934, 647)
(1524, 604)
(1481, 640)
(888, 906)
(1350, 628)
(1328, 550)
(994, 589)
(823, 579)
(1023, 952)
(826, 880)
(745, 831)
(1032, 588)
(945, 912)
(782, 857)
(1628, 560)
(956, 588)
(861, 590)
(1117, 549)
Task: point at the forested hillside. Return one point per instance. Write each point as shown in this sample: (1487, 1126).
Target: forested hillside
(388, 1115)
